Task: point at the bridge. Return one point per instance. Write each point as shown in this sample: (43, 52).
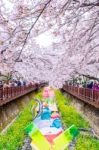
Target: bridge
(89, 96)
(12, 93)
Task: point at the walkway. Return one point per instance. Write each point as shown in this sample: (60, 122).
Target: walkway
(87, 95)
(12, 93)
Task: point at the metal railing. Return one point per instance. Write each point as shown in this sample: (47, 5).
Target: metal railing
(10, 93)
(87, 95)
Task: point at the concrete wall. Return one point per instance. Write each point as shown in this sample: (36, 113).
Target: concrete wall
(89, 112)
(9, 111)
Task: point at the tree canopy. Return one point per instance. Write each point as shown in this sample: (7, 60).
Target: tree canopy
(49, 40)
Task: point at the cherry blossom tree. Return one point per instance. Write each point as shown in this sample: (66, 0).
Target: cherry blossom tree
(49, 40)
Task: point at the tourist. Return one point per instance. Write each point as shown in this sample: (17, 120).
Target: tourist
(5, 85)
(98, 86)
(1, 90)
(95, 86)
(90, 85)
(24, 83)
(84, 84)
(10, 84)
(15, 83)
(80, 85)
(1, 84)
(19, 83)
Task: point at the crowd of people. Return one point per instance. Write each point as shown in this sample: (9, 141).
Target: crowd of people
(86, 84)
(14, 83)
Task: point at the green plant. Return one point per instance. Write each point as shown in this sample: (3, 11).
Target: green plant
(15, 135)
(69, 116)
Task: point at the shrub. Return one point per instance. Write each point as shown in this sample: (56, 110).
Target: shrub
(69, 116)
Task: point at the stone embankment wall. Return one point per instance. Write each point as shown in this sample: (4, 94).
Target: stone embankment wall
(9, 111)
(89, 112)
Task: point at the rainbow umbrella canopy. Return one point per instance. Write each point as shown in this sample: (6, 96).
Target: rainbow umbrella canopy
(46, 130)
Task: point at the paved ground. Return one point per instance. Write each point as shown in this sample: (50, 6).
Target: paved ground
(26, 145)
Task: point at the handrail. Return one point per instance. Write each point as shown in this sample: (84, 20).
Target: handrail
(10, 93)
(87, 95)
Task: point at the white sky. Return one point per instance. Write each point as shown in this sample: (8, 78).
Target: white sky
(8, 5)
(44, 40)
